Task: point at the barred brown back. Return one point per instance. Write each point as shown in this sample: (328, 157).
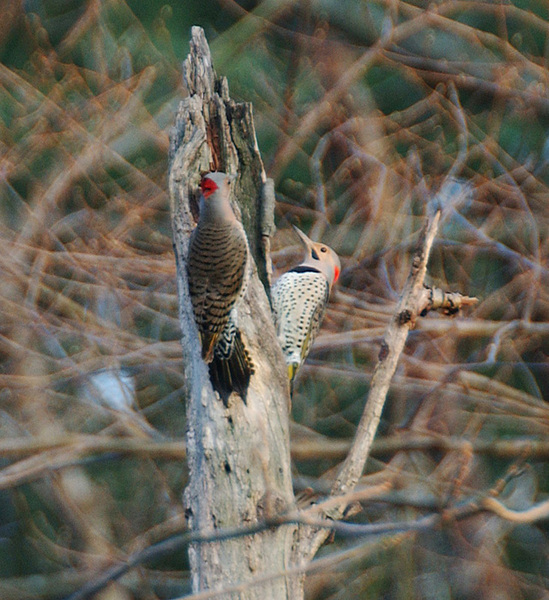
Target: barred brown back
(216, 266)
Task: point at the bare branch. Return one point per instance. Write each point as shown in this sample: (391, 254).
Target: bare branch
(464, 510)
(407, 311)
(530, 515)
(448, 303)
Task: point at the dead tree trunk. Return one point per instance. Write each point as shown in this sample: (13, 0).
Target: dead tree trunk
(239, 457)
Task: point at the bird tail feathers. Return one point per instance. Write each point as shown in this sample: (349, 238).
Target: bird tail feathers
(231, 368)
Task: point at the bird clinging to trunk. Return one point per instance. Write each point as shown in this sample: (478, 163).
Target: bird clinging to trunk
(299, 299)
(218, 274)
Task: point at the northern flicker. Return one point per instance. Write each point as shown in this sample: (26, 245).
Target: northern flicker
(299, 299)
(217, 267)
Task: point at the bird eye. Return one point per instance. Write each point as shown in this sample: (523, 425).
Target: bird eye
(324, 249)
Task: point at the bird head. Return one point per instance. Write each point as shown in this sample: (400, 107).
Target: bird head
(215, 182)
(216, 189)
(320, 257)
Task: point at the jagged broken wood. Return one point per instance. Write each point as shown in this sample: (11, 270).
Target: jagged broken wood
(239, 456)
(449, 303)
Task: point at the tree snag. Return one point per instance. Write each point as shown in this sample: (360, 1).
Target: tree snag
(239, 455)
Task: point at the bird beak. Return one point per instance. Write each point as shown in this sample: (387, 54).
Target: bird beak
(308, 243)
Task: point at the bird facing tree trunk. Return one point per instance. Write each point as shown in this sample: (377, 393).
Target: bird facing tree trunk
(218, 266)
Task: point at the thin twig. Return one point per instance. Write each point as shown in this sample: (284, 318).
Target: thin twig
(430, 521)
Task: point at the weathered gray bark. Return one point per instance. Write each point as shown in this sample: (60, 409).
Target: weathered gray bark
(239, 457)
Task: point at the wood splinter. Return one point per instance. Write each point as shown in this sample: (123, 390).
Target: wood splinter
(450, 303)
